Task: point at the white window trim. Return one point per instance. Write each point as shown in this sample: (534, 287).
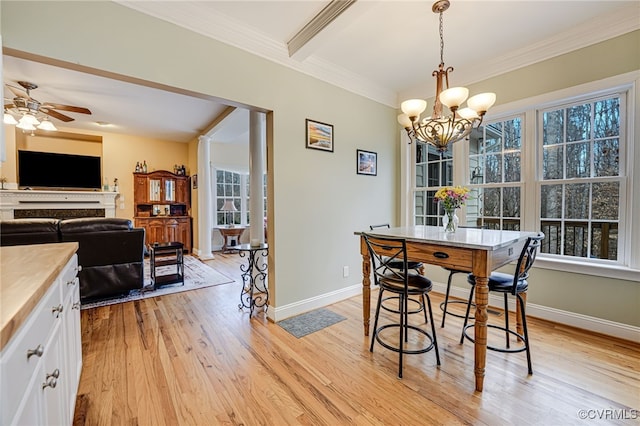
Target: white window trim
(629, 82)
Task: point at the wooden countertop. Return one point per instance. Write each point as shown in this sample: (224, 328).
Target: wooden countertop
(26, 273)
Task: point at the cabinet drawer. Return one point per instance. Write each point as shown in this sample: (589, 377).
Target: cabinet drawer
(450, 257)
(16, 368)
(68, 276)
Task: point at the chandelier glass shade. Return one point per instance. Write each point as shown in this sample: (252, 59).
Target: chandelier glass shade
(439, 129)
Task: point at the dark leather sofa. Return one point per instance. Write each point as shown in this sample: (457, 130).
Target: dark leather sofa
(110, 250)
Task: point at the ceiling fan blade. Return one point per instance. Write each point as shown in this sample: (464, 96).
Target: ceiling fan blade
(56, 114)
(69, 108)
(18, 91)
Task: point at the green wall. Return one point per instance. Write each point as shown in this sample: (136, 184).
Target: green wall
(318, 199)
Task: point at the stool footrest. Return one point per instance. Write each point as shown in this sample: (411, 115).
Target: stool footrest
(405, 350)
(462, 302)
(496, 349)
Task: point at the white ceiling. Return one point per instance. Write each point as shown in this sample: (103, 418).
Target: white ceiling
(385, 50)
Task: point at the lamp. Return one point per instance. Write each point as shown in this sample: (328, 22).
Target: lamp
(439, 130)
(228, 207)
(45, 124)
(8, 118)
(28, 118)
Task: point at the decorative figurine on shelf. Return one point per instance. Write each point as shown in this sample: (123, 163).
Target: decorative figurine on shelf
(144, 166)
(115, 185)
(138, 168)
(3, 180)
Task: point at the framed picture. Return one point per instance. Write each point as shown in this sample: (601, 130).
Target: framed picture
(366, 163)
(194, 181)
(319, 135)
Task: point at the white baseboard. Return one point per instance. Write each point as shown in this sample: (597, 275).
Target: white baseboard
(597, 325)
(283, 312)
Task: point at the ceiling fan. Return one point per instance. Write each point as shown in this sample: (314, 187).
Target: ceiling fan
(27, 107)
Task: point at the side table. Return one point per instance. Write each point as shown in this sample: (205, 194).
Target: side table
(255, 293)
(230, 234)
(166, 254)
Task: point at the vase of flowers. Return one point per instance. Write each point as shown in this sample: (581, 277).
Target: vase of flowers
(451, 198)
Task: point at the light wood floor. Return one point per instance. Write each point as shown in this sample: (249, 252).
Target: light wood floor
(193, 358)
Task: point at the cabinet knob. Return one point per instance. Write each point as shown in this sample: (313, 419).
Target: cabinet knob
(38, 351)
(55, 374)
(76, 305)
(71, 282)
(57, 310)
(78, 268)
(51, 382)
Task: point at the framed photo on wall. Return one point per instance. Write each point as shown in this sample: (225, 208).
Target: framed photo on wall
(366, 163)
(319, 135)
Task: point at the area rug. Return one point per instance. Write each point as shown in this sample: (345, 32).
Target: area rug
(196, 275)
(310, 322)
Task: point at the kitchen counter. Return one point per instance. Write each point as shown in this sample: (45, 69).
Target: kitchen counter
(26, 273)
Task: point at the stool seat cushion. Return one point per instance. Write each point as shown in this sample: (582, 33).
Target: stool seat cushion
(417, 284)
(398, 264)
(501, 282)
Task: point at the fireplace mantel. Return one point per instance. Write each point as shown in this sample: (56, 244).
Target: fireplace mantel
(12, 200)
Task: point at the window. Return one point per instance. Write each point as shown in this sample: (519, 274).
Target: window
(556, 163)
(581, 182)
(235, 187)
(228, 187)
(432, 171)
(495, 176)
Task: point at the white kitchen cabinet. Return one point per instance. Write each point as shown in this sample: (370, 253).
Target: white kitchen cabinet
(40, 365)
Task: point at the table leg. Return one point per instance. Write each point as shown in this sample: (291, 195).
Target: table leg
(480, 330)
(366, 291)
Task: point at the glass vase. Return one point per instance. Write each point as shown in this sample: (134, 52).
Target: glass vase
(450, 221)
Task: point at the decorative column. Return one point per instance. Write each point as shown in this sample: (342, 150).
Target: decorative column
(205, 206)
(256, 172)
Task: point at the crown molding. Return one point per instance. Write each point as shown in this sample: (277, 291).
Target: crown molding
(237, 34)
(623, 21)
(192, 16)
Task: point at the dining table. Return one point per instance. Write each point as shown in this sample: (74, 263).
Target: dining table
(479, 251)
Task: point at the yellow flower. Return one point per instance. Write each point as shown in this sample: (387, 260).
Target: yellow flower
(452, 197)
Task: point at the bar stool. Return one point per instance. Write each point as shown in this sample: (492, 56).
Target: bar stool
(443, 305)
(404, 283)
(397, 264)
(515, 285)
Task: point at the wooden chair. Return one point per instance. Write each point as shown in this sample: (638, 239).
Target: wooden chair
(403, 282)
(515, 285)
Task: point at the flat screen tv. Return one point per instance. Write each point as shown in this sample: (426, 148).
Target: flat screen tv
(47, 170)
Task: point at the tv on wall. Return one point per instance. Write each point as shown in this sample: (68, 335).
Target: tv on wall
(47, 170)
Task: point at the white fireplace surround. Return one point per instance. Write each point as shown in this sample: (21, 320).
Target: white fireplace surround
(11, 200)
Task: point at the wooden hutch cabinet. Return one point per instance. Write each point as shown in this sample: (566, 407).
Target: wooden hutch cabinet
(162, 202)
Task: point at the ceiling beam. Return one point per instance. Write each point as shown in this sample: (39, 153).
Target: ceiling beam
(317, 24)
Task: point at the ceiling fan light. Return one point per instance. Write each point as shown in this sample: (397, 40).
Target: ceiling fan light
(29, 119)
(482, 102)
(454, 97)
(413, 107)
(25, 126)
(47, 125)
(9, 119)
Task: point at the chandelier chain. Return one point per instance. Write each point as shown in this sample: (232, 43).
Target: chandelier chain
(441, 41)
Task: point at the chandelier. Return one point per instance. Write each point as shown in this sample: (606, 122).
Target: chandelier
(439, 130)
